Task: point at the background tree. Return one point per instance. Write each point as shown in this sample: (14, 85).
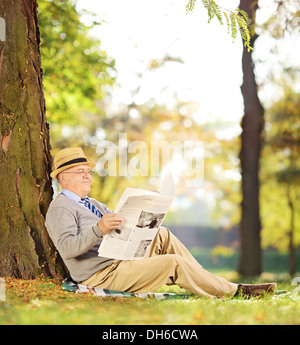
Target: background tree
(279, 91)
(77, 72)
(281, 175)
(251, 139)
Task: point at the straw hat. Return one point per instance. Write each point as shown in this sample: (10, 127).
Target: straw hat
(68, 158)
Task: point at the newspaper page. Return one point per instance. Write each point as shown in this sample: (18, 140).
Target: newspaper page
(143, 213)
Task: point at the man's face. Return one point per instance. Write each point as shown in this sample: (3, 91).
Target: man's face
(77, 179)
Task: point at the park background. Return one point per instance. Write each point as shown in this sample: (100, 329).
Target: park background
(157, 72)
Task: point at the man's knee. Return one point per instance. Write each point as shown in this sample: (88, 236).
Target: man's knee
(164, 232)
(169, 260)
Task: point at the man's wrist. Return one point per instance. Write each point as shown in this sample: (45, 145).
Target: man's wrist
(97, 231)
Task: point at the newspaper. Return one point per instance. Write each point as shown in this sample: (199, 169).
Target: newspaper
(143, 213)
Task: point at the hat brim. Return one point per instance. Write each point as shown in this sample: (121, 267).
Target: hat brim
(58, 171)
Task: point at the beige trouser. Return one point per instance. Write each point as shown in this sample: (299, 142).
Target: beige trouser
(168, 262)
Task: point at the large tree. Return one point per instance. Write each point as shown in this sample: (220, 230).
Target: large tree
(251, 139)
(25, 160)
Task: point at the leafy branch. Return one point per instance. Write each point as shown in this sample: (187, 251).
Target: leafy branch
(236, 20)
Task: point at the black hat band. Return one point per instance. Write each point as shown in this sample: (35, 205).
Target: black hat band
(73, 161)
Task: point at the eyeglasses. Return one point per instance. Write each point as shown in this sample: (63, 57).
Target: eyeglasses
(80, 173)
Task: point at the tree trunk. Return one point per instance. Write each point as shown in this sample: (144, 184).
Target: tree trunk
(291, 233)
(25, 161)
(252, 127)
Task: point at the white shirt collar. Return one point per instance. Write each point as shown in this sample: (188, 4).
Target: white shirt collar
(71, 195)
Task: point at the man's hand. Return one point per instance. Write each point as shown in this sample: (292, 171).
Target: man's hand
(109, 222)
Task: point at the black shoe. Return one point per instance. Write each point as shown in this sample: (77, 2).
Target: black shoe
(256, 289)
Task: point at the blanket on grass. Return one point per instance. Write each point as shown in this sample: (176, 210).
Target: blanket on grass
(70, 285)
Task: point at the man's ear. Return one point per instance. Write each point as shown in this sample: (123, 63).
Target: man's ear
(60, 178)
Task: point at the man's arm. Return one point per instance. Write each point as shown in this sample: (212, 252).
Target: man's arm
(63, 230)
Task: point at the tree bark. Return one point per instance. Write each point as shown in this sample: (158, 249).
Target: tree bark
(25, 161)
(251, 138)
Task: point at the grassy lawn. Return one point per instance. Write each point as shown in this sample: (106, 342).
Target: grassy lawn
(42, 302)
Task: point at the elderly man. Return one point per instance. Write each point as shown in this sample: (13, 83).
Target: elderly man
(76, 224)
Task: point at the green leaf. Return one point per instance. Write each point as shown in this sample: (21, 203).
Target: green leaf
(237, 20)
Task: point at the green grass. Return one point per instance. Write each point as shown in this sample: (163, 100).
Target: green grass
(42, 302)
